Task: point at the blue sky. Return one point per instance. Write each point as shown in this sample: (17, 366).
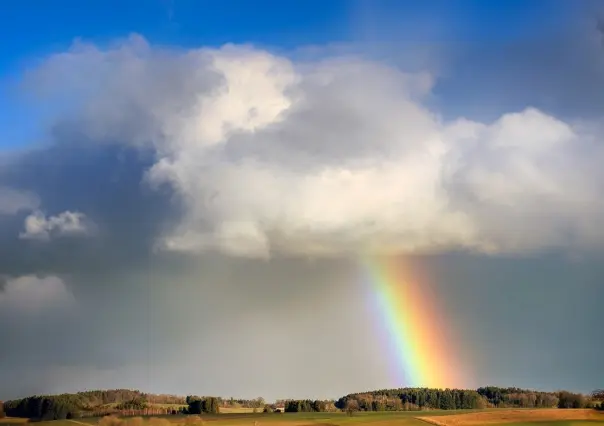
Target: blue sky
(32, 29)
(35, 27)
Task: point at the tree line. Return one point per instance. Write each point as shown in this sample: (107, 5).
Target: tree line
(522, 398)
(97, 398)
(125, 402)
(307, 406)
(518, 398)
(410, 399)
(97, 403)
(139, 403)
(597, 397)
(242, 403)
(405, 399)
(122, 401)
(58, 407)
(205, 405)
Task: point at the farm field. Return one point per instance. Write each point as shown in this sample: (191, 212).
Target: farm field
(235, 410)
(520, 417)
(511, 417)
(154, 405)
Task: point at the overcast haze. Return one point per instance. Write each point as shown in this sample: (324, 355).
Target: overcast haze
(190, 218)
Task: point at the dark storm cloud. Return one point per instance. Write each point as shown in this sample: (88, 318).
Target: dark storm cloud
(95, 179)
(72, 174)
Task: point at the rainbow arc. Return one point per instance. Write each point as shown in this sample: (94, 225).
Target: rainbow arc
(422, 357)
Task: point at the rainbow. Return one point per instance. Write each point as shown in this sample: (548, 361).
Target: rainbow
(414, 330)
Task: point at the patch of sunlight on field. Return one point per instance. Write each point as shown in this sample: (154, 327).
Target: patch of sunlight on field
(518, 417)
(558, 423)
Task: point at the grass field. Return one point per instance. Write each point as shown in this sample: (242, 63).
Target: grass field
(509, 417)
(171, 406)
(241, 410)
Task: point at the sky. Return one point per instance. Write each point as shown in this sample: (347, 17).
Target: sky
(189, 191)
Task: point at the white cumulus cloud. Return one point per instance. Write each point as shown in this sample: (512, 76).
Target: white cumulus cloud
(339, 155)
(39, 226)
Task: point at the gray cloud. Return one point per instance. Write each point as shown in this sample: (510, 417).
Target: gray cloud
(30, 294)
(39, 226)
(13, 201)
(232, 189)
(267, 155)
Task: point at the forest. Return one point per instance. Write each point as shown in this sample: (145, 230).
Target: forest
(121, 401)
(459, 399)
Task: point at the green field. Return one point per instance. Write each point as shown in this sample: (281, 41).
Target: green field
(412, 418)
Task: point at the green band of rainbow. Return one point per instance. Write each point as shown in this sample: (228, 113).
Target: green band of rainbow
(421, 357)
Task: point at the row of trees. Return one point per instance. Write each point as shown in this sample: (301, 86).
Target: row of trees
(258, 403)
(139, 403)
(206, 405)
(456, 399)
(57, 407)
(85, 404)
(516, 397)
(412, 399)
(97, 401)
(149, 411)
(597, 397)
(573, 400)
(305, 406)
(97, 398)
(242, 403)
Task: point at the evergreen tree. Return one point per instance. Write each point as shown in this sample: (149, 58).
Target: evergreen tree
(195, 406)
